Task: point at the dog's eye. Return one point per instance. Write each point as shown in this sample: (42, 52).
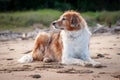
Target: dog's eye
(63, 19)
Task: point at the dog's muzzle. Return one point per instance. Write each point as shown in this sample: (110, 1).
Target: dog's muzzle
(55, 26)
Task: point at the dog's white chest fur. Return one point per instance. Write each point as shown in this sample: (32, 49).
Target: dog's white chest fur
(75, 45)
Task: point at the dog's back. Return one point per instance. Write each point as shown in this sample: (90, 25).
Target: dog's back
(47, 47)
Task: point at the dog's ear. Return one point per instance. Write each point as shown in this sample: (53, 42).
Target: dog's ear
(74, 21)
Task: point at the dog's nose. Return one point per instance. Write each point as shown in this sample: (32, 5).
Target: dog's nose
(53, 23)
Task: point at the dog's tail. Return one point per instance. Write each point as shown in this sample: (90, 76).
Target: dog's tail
(26, 59)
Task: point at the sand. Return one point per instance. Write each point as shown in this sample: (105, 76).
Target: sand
(104, 48)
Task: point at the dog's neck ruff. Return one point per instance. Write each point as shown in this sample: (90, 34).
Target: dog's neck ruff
(73, 35)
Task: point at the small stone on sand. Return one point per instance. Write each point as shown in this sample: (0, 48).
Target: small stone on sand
(100, 55)
(118, 53)
(9, 59)
(35, 76)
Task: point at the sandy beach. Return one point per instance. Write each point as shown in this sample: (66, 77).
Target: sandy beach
(104, 48)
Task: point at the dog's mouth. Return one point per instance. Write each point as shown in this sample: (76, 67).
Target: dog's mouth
(57, 27)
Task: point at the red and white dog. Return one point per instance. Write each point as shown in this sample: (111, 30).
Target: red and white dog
(69, 46)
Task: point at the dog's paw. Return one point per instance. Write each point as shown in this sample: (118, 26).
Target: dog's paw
(26, 59)
(96, 63)
(47, 60)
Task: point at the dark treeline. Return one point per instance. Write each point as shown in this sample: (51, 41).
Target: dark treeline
(80, 5)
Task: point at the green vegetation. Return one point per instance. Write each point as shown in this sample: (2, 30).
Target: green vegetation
(27, 18)
(18, 21)
(108, 17)
(103, 17)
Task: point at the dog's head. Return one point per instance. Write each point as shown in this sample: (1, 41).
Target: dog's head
(70, 21)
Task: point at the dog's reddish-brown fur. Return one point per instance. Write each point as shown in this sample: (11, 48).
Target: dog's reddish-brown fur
(48, 46)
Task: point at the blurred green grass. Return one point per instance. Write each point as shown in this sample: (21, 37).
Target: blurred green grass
(21, 21)
(104, 17)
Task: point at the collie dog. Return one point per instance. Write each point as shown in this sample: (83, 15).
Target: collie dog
(69, 46)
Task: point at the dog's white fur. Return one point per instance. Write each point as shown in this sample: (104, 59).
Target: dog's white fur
(76, 49)
(26, 59)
